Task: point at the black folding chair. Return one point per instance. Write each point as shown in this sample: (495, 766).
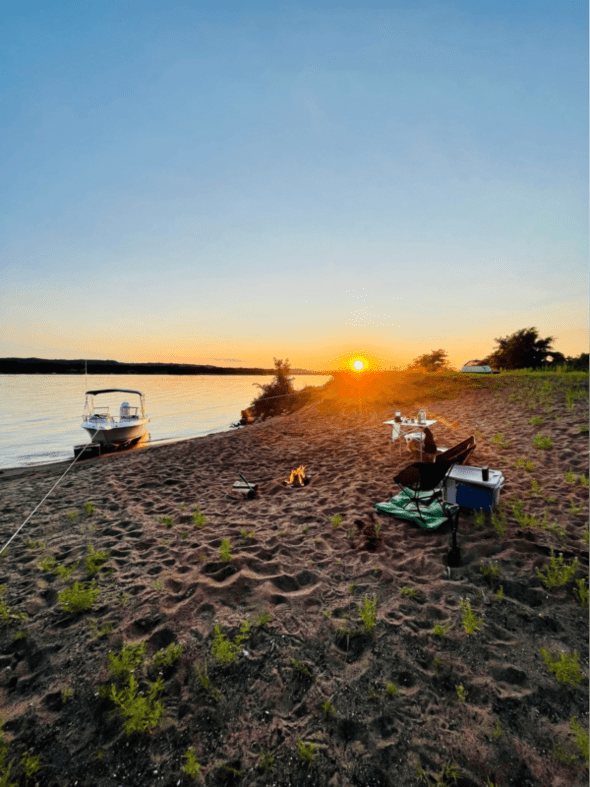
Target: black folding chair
(429, 477)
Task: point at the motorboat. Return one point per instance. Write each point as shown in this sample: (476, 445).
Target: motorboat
(477, 367)
(130, 424)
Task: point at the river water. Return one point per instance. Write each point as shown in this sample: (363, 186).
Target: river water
(40, 415)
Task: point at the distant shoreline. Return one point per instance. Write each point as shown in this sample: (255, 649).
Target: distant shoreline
(45, 366)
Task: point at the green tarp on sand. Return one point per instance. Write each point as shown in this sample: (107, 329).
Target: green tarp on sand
(433, 514)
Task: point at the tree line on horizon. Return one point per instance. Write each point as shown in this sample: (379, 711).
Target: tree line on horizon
(521, 350)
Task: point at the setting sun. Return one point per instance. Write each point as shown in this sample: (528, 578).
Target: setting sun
(357, 365)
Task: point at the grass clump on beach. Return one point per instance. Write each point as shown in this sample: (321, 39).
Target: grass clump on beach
(192, 767)
(581, 592)
(127, 661)
(198, 517)
(498, 441)
(142, 713)
(95, 560)
(522, 463)
(471, 621)
(441, 629)
(499, 522)
(167, 656)
(566, 668)
(306, 751)
(542, 442)
(167, 521)
(492, 571)
(205, 682)
(223, 649)
(557, 573)
(79, 597)
(336, 520)
(8, 615)
(225, 550)
(368, 613)
(89, 508)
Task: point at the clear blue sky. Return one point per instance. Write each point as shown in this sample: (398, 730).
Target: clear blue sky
(184, 182)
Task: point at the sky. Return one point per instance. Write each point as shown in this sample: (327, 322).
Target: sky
(228, 183)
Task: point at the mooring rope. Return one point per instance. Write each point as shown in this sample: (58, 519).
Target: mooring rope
(67, 470)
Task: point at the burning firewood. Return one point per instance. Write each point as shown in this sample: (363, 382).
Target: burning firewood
(298, 477)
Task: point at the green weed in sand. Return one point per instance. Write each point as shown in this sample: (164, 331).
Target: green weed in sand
(479, 518)
(79, 597)
(100, 632)
(407, 591)
(536, 420)
(127, 661)
(225, 550)
(471, 622)
(65, 572)
(8, 616)
(48, 563)
(580, 737)
(581, 592)
(306, 751)
(574, 508)
(167, 521)
(499, 594)
(198, 518)
(263, 618)
(223, 649)
(557, 573)
(498, 441)
(336, 520)
(90, 508)
(499, 521)
(300, 667)
(95, 560)
(391, 689)
(205, 682)
(566, 668)
(570, 477)
(192, 767)
(522, 463)
(492, 571)
(30, 764)
(167, 656)
(141, 713)
(328, 708)
(542, 442)
(72, 515)
(583, 481)
(266, 761)
(368, 613)
(461, 692)
(441, 629)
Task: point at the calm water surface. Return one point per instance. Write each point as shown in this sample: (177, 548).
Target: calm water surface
(40, 415)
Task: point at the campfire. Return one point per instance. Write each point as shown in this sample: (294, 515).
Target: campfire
(298, 477)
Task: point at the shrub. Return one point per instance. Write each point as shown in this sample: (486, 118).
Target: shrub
(328, 708)
(8, 616)
(167, 656)
(441, 629)
(192, 767)
(368, 613)
(566, 668)
(130, 659)
(141, 713)
(30, 764)
(277, 395)
(306, 751)
(79, 597)
(557, 573)
(522, 463)
(94, 560)
(471, 622)
(223, 649)
(580, 736)
(542, 441)
(336, 520)
(582, 592)
(224, 550)
(492, 571)
(89, 508)
(198, 518)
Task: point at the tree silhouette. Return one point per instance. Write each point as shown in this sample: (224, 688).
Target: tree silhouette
(435, 361)
(522, 350)
(277, 395)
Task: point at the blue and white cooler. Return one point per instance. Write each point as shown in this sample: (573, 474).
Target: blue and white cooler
(464, 486)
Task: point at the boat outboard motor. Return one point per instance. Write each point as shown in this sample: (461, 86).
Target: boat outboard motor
(124, 411)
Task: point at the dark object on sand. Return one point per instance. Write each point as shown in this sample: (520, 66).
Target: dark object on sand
(248, 490)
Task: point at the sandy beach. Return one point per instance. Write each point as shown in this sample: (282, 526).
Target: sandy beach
(316, 695)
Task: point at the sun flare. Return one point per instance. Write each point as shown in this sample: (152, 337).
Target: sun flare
(358, 365)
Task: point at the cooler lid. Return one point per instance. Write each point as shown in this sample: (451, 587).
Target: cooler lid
(473, 475)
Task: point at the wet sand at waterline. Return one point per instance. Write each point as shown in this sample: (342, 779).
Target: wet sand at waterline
(312, 689)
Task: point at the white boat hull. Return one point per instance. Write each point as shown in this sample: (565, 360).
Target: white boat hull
(115, 433)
